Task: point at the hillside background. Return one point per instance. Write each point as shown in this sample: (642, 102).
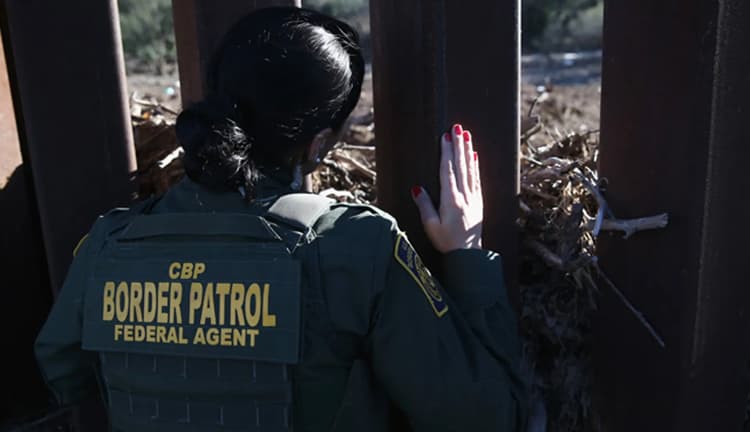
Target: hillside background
(548, 26)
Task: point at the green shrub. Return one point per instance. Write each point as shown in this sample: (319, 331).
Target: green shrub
(148, 29)
(339, 8)
(546, 22)
(149, 44)
(147, 34)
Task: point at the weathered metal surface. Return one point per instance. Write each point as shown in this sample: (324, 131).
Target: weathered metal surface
(71, 105)
(10, 149)
(199, 27)
(435, 64)
(27, 296)
(68, 84)
(676, 96)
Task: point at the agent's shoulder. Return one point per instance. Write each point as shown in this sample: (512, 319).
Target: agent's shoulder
(107, 224)
(119, 217)
(360, 220)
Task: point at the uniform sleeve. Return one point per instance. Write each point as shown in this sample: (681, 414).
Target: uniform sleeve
(448, 355)
(68, 370)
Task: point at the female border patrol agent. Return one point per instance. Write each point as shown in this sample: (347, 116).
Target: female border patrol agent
(233, 303)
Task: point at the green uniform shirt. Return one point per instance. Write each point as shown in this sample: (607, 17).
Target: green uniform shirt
(385, 348)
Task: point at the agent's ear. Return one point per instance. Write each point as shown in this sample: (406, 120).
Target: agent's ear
(319, 148)
(321, 145)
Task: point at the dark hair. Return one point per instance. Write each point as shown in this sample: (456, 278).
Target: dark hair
(280, 76)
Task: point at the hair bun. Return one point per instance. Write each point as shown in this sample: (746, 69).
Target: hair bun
(217, 148)
(200, 119)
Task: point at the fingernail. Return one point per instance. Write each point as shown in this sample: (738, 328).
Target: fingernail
(476, 156)
(467, 136)
(415, 191)
(447, 136)
(457, 129)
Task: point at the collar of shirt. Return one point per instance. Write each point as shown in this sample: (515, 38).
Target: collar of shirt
(189, 196)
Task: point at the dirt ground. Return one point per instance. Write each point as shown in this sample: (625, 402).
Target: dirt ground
(566, 106)
(166, 90)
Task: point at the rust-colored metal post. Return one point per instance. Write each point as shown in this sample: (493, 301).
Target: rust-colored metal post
(676, 97)
(199, 27)
(67, 78)
(10, 149)
(68, 81)
(22, 264)
(437, 63)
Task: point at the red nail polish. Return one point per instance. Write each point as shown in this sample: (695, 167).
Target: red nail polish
(476, 156)
(415, 191)
(447, 136)
(458, 129)
(467, 136)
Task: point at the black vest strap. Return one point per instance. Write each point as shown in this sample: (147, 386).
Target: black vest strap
(199, 224)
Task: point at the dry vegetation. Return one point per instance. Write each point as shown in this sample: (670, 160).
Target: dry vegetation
(563, 210)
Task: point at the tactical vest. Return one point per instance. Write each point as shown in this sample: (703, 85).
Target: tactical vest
(196, 318)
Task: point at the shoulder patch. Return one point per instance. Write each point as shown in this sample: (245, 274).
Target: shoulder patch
(412, 263)
(80, 243)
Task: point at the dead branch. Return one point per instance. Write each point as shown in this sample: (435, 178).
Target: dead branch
(153, 105)
(601, 202)
(549, 173)
(357, 166)
(632, 226)
(531, 160)
(340, 196)
(638, 314)
(543, 96)
(365, 119)
(549, 257)
(530, 126)
(176, 153)
(525, 208)
(368, 149)
(540, 194)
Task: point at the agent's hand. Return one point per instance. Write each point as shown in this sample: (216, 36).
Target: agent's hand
(458, 223)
